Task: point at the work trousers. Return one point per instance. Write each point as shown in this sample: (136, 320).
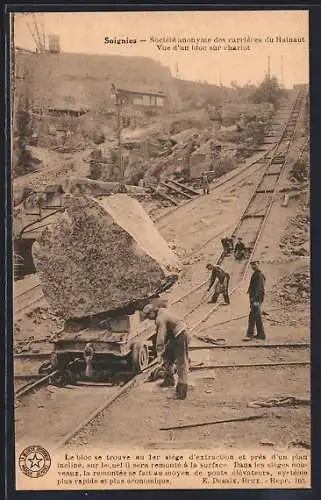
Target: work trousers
(255, 320)
(240, 254)
(223, 289)
(176, 354)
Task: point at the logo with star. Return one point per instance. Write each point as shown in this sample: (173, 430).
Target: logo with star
(34, 461)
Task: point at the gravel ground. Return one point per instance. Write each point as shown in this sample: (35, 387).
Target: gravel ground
(227, 392)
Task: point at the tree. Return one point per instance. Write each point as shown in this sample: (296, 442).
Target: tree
(268, 91)
(22, 159)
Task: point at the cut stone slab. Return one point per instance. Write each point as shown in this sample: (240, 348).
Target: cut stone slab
(102, 255)
(82, 185)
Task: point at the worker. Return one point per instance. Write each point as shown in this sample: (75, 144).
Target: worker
(228, 245)
(239, 249)
(231, 242)
(220, 281)
(205, 184)
(171, 346)
(256, 293)
(122, 188)
(225, 245)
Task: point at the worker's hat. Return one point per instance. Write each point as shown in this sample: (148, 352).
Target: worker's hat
(254, 262)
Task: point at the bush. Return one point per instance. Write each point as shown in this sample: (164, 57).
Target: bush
(22, 158)
(224, 165)
(268, 91)
(98, 137)
(300, 170)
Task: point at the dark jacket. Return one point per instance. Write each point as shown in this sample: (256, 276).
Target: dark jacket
(219, 273)
(256, 288)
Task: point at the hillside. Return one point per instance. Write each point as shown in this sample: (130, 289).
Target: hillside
(85, 79)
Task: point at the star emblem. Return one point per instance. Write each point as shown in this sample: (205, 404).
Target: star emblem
(35, 461)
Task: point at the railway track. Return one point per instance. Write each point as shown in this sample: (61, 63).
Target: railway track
(203, 357)
(33, 296)
(181, 191)
(251, 223)
(206, 361)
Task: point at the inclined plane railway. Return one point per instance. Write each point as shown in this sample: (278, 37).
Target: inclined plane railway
(250, 227)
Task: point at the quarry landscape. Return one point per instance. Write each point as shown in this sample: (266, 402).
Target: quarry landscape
(125, 182)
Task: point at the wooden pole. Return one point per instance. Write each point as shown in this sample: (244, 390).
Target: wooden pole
(118, 106)
(213, 422)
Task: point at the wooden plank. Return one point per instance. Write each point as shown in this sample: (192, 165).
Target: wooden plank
(187, 188)
(176, 190)
(214, 422)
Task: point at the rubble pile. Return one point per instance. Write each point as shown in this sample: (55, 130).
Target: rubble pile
(33, 323)
(301, 169)
(101, 256)
(295, 240)
(293, 288)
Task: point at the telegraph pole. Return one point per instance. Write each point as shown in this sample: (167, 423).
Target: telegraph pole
(118, 111)
(282, 74)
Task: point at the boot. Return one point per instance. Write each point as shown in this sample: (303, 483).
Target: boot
(181, 391)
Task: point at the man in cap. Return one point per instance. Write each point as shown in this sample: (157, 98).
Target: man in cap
(239, 249)
(220, 279)
(171, 345)
(256, 293)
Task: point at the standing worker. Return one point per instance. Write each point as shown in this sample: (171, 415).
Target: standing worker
(256, 293)
(171, 346)
(222, 279)
(205, 184)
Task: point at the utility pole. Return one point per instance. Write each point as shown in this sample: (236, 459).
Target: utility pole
(119, 126)
(269, 67)
(282, 74)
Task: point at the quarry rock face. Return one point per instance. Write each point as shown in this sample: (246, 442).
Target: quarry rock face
(101, 255)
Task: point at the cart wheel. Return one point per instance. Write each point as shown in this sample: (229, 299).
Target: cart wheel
(140, 357)
(62, 378)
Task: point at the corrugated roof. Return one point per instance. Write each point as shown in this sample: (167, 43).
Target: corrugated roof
(140, 90)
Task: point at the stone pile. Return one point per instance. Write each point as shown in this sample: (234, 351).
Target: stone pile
(294, 288)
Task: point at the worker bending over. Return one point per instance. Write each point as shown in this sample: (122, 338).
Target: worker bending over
(171, 346)
(228, 245)
(220, 279)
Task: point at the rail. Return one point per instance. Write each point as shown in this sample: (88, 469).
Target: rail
(138, 378)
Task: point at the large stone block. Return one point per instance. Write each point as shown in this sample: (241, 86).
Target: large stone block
(102, 255)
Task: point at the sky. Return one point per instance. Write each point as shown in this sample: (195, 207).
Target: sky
(86, 32)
